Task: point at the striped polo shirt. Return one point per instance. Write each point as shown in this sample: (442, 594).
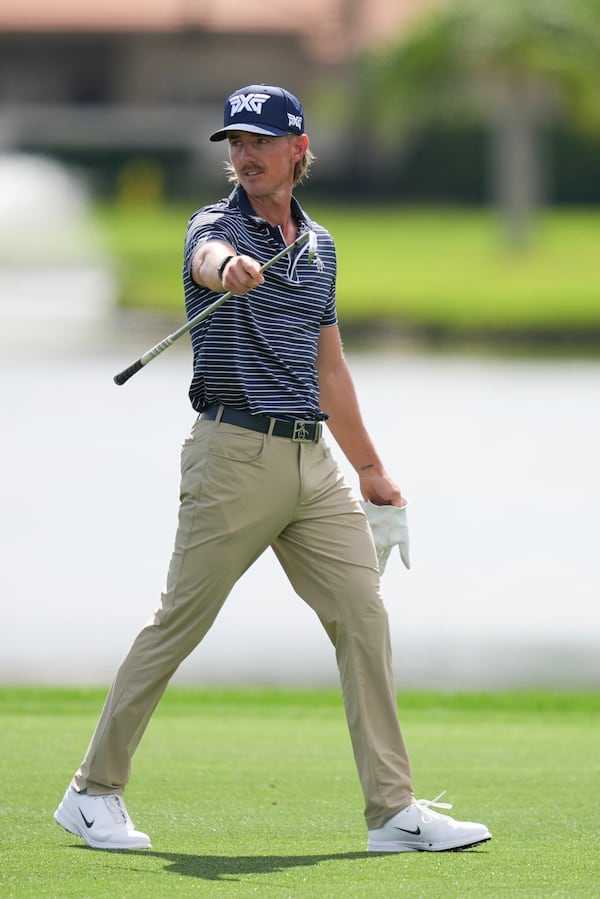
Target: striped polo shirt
(257, 352)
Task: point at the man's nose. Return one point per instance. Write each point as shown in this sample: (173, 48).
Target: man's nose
(245, 151)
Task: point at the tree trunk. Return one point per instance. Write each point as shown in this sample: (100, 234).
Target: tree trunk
(516, 161)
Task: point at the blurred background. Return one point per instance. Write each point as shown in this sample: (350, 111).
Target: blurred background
(458, 168)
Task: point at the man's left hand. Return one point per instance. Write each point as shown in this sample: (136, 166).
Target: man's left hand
(380, 490)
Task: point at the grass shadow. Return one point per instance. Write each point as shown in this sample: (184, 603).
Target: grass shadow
(233, 867)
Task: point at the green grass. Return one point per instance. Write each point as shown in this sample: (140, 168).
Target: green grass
(442, 268)
(255, 793)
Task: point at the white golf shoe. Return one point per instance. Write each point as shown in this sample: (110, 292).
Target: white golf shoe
(102, 821)
(419, 829)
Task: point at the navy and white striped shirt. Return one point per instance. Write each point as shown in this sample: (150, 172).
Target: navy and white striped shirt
(258, 352)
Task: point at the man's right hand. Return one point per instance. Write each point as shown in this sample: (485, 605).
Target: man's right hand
(242, 274)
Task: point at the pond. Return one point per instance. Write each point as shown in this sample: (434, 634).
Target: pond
(498, 458)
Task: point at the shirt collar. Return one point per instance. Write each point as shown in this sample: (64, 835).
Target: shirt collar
(239, 197)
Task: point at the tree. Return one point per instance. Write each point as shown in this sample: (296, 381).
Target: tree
(517, 64)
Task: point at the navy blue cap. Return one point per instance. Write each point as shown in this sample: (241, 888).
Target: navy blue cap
(262, 109)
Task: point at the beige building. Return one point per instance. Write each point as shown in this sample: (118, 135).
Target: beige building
(125, 76)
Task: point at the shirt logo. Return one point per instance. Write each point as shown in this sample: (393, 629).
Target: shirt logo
(249, 102)
(294, 121)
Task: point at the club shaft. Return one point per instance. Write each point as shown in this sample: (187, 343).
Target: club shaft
(164, 344)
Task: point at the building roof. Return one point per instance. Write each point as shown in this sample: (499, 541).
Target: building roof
(331, 27)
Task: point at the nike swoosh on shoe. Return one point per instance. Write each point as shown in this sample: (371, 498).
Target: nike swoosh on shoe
(87, 823)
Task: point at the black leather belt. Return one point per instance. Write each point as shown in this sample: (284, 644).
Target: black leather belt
(299, 430)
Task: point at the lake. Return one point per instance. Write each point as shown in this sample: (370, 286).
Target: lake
(497, 456)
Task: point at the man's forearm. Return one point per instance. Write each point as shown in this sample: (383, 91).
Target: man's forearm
(207, 264)
(339, 401)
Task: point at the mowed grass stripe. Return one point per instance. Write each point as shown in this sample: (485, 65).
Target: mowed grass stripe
(422, 266)
(254, 792)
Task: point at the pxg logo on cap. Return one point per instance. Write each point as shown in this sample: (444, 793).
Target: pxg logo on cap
(262, 109)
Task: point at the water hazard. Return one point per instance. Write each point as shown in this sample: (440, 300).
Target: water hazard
(498, 457)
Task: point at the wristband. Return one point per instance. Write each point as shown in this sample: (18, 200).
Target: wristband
(221, 268)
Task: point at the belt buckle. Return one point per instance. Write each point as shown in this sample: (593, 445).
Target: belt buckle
(301, 433)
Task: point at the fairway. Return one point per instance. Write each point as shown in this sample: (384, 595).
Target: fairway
(254, 792)
(443, 268)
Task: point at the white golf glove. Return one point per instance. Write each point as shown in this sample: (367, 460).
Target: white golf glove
(389, 527)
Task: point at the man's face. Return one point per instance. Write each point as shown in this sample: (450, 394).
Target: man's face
(264, 165)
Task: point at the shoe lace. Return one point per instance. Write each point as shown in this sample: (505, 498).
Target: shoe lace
(113, 804)
(425, 804)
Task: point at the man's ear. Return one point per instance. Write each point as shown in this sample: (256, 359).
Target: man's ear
(299, 146)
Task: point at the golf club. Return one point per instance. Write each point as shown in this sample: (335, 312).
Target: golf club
(151, 354)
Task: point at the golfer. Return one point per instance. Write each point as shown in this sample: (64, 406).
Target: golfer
(256, 472)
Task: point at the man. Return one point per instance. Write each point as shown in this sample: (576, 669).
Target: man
(268, 370)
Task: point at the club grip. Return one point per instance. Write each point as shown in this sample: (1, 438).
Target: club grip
(128, 373)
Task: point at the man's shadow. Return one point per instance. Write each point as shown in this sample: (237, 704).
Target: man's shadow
(233, 867)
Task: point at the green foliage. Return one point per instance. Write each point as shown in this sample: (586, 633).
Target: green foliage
(464, 50)
(254, 792)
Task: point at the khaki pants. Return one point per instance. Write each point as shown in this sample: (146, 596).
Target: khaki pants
(242, 492)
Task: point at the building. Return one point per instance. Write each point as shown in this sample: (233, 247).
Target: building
(105, 84)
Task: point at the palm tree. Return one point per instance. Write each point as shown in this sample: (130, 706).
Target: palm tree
(518, 64)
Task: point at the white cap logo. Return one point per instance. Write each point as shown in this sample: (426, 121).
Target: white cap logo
(251, 102)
